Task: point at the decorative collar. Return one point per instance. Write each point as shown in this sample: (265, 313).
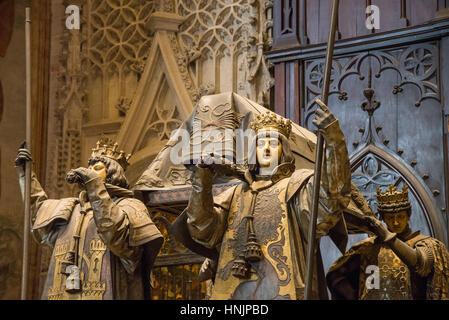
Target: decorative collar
(282, 171)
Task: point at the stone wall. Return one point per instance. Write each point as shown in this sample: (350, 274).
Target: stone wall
(12, 133)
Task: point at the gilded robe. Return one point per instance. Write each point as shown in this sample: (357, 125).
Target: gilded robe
(105, 232)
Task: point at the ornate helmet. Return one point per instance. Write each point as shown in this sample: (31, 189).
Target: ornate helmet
(270, 120)
(107, 148)
(393, 200)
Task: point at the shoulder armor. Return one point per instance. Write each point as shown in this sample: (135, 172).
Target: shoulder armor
(224, 199)
(418, 239)
(52, 209)
(142, 228)
(297, 180)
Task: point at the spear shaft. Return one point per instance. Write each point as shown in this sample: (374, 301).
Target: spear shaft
(311, 244)
(27, 193)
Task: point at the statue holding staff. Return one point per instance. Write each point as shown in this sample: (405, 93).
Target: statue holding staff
(104, 242)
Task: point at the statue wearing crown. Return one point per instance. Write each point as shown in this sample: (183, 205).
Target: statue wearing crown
(259, 227)
(103, 242)
(397, 263)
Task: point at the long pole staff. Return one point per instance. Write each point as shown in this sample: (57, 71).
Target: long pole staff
(27, 193)
(319, 154)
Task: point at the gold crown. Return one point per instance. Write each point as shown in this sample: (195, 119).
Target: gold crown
(107, 148)
(393, 200)
(272, 121)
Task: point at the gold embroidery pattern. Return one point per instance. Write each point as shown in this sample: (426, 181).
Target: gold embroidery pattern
(57, 291)
(93, 288)
(394, 281)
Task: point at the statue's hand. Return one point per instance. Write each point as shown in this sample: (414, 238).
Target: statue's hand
(379, 229)
(323, 116)
(80, 175)
(207, 161)
(23, 156)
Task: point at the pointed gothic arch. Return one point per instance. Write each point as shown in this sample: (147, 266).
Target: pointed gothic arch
(375, 166)
(164, 96)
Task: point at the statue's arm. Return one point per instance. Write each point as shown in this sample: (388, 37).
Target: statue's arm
(37, 195)
(418, 258)
(205, 221)
(124, 226)
(336, 170)
(301, 203)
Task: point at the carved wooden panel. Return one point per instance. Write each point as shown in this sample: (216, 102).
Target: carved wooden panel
(404, 84)
(307, 22)
(286, 31)
(389, 106)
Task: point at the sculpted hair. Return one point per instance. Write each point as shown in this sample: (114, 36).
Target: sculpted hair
(286, 155)
(115, 174)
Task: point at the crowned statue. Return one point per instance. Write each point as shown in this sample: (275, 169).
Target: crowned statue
(396, 264)
(103, 242)
(259, 227)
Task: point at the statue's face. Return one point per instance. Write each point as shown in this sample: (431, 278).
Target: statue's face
(268, 152)
(396, 222)
(100, 168)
